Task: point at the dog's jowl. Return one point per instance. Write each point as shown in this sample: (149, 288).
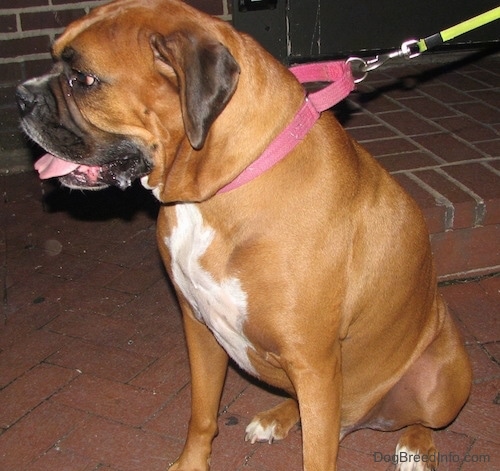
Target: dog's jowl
(316, 276)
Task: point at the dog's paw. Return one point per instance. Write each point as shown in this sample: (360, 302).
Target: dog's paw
(257, 432)
(176, 466)
(273, 424)
(416, 451)
(414, 460)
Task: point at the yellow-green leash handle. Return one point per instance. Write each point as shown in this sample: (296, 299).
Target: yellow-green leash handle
(457, 30)
(413, 48)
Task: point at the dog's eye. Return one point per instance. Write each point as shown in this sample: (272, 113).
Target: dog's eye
(82, 78)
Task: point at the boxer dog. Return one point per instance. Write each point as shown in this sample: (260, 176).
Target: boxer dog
(315, 277)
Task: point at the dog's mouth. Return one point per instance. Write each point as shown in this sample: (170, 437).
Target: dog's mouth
(120, 173)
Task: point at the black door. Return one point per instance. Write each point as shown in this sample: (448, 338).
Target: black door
(297, 30)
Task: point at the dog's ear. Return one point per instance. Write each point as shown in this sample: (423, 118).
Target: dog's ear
(207, 76)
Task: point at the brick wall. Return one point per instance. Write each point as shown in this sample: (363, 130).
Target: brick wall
(27, 29)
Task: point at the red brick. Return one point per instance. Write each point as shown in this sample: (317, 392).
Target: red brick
(428, 108)
(34, 68)
(235, 385)
(278, 456)
(406, 87)
(49, 19)
(482, 181)
(24, 46)
(491, 287)
(407, 161)
(4, 4)
(360, 120)
(495, 163)
(6, 95)
(377, 104)
(232, 431)
(466, 335)
(465, 208)
(26, 285)
(109, 399)
(470, 303)
(212, 7)
(168, 375)
(408, 123)
(173, 419)
(390, 146)
(467, 252)
(483, 367)
(86, 298)
(452, 445)
(24, 321)
(481, 112)
(445, 93)
(55, 459)
(447, 147)
(466, 128)
(25, 442)
(58, 263)
(479, 418)
(367, 133)
(145, 273)
(102, 273)
(122, 447)
(27, 353)
(102, 361)
(9, 118)
(461, 82)
(378, 442)
(489, 96)
(483, 456)
(73, 2)
(94, 328)
(28, 391)
(8, 23)
(436, 215)
(155, 339)
(157, 304)
(491, 148)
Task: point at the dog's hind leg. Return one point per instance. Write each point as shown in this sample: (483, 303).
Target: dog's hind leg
(273, 424)
(428, 396)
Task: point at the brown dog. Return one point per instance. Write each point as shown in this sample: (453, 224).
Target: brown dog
(315, 277)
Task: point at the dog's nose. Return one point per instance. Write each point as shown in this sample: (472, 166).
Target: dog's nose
(26, 100)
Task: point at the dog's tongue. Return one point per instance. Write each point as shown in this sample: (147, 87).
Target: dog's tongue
(49, 166)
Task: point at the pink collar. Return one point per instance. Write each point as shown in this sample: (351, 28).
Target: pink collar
(342, 83)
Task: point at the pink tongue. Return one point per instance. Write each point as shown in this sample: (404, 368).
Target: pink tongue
(49, 166)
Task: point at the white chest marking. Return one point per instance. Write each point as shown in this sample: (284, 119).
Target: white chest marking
(222, 306)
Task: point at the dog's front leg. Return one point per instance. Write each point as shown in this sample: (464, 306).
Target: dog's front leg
(208, 363)
(318, 385)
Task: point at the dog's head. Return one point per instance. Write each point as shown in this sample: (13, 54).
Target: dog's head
(135, 90)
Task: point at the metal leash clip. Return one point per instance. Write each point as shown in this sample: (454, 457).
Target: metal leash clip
(413, 48)
(409, 49)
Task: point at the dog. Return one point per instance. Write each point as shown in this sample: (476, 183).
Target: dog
(316, 276)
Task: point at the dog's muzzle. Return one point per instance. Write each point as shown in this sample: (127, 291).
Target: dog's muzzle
(116, 161)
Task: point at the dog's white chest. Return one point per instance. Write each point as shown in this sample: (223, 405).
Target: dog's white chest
(222, 306)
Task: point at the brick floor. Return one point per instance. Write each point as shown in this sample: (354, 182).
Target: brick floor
(93, 367)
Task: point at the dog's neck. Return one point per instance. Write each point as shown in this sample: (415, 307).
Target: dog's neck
(341, 83)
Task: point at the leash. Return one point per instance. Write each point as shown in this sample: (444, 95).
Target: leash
(413, 48)
(338, 75)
